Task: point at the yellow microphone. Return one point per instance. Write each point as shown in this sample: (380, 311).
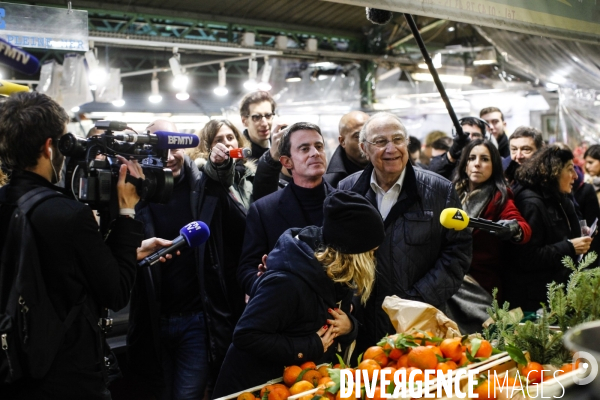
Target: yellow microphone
(457, 219)
(7, 88)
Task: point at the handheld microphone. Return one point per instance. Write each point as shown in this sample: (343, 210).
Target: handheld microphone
(457, 219)
(163, 140)
(18, 59)
(8, 88)
(193, 235)
(240, 153)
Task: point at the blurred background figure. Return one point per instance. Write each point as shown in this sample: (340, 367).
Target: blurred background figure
(414, 151)
(426, 150)
(217, 138)
(592, 167)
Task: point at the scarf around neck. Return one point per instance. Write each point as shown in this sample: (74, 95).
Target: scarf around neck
(475, 202)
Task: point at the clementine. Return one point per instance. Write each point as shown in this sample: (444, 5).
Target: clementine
(312, 376)
(533, 372)
(246, 396)
(376, 353)
(308, 365)
(299, 387)
(422, 357)
(370, 366)
(451, 348)
(290, 374)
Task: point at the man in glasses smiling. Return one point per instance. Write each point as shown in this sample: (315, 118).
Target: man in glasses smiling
(257, 110)
(419, 259)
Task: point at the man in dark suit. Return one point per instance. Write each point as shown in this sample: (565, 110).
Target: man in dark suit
(299, 204)
(75, 260)
(347, 158)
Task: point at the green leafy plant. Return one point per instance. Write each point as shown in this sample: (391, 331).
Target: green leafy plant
(579, 301)
(505, 321)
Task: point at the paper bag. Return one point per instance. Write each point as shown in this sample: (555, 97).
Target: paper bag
(407, 315)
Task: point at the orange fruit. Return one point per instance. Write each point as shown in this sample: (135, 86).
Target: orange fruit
(484, 351)
(301, 386)
(463, 360)
(351, 397)
(306, 397)
(422, 357)
(290, 374)
(390, 376)
(277, 391)
(246, 396)
(312, 376)
(419, 338)
(444, 367)
(485, 390)
(436, 350)
(395, 354)
(308, 365)
(402, 361)
(565, 368)
(370, 366)
(418, 376)
(512, 383)
(392, 363)
(325, 382)
(451, 364)
(532, 371)
(324, 369)
(451, 348)
(376, 353)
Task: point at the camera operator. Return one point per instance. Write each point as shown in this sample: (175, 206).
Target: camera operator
(77, 265)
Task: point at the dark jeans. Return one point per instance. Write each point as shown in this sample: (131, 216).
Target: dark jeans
(185, 361)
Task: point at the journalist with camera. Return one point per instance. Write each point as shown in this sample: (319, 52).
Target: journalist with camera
(79, 272)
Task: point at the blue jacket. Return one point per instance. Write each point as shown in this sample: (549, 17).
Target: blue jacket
(288, 306)
(419, 259)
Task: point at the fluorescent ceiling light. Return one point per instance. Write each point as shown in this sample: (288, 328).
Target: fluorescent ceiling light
(183, 96)
(221, 91)
(293, 76)
(436, 59)
(75, 109)
(464, 79)
(155, 97)
(118, 103)
(486, 57)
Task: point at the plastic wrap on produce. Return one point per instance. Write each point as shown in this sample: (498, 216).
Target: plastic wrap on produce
(407, 315)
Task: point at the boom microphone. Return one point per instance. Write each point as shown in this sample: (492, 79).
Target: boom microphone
(163, 140)
(18, 59)
(457, 219)
(240, 153)
(379, 17)
(193, 234)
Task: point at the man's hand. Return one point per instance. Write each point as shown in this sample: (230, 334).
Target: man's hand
(276, 134)
(581, 244)
(152, 245)
(459, 142)
(262, 268)
(219, 154)
(127, 193)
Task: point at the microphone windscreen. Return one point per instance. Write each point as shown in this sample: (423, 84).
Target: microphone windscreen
(18, 58)
(454, 218)
(195, 233)
(8, 88)
(175, 140)
(379, 17)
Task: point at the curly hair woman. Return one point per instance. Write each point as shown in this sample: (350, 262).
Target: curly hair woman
(547, 178)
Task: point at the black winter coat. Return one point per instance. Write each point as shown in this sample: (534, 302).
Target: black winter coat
(553, 220)
(337, 167)
(216, 265)
(288, 306)
(267, 219)
(75, 261)
(419, 259)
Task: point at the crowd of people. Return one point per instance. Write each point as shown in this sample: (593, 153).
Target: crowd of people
(302, 250)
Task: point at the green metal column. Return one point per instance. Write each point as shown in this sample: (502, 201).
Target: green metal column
(367, 84)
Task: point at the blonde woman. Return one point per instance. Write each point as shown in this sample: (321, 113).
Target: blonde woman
(299, 309)
(217, 138)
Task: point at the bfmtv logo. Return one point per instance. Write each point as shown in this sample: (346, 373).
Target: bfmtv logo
(193, 226)
(589, 365)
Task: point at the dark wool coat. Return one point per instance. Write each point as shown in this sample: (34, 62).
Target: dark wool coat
(419, 259)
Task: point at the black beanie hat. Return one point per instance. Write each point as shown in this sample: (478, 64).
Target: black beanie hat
(350, 223)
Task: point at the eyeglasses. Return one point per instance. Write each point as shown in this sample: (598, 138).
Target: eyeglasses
(398, 141)
(258, 117)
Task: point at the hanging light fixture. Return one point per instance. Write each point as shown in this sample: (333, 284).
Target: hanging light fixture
(155, 97)
(96, 74)
(180, 79)
(182, 96)
(436, 59)
(264, 84)
(119, 102)
(221, 90)
(251, 83)
(462, 79)
(486, 57)
(293, 75)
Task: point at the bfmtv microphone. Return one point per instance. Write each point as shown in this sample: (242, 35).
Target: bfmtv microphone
(193, 235)
(240, 153)
(457, 219)
(18, 59)
(163, 140)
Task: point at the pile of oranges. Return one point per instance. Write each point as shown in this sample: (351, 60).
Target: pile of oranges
(416, 351)
(296, 379)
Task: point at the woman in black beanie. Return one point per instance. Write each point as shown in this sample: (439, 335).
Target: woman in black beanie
(300, 308)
